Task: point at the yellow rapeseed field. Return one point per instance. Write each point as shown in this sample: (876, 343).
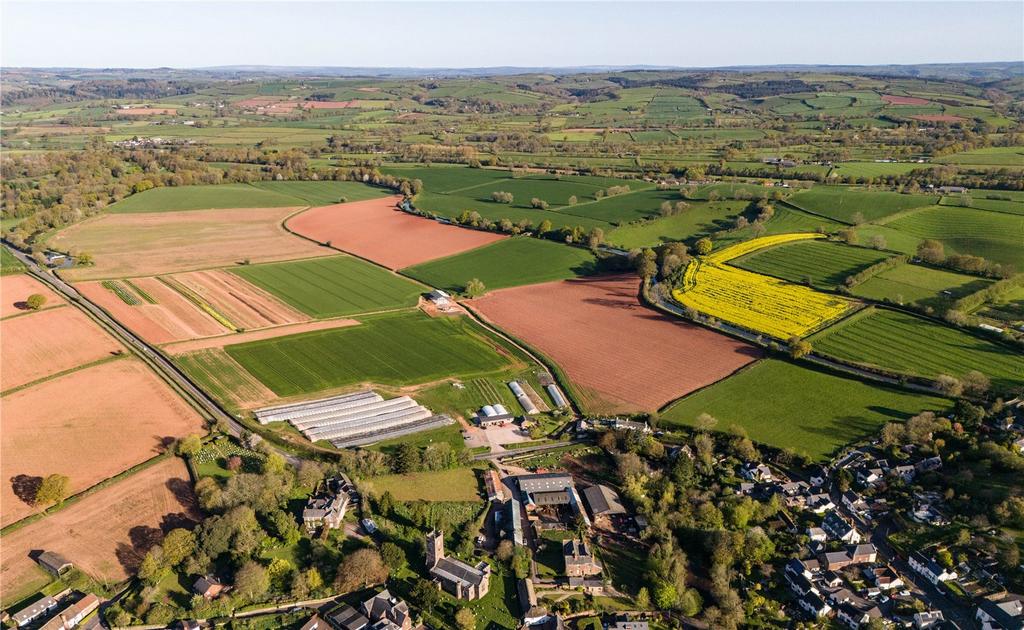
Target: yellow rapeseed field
(755, 302)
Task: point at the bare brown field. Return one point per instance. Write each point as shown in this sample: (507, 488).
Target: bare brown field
(246, 305)
(51, 341)
(172, 318)
(15, 289)
(329, 104)
(107, 533)
(146, 244)
(220, 341)
(624, 356)
(122, 414)
(376, 230)
(892, 99)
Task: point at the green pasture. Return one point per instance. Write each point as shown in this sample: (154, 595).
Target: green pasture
(452, 206)
(506, 263)
(907, 344)
(396, 349)
(996, 236)
(811, 411)
(322, 193)
(700, 219)
(171, 198)
(842, 203)
(825, 264)
(919, 285)
(456, 484)
(331, 287)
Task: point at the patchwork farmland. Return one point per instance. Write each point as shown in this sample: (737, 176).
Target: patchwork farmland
(376, 230)
(843, 203)
(823, 264)
(620, 356)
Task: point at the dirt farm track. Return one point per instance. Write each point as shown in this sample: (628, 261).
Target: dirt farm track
(122, 415)
(376, 230)
(623, 356)
(106, 533)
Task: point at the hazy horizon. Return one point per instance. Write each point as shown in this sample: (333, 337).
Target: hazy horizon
(196, 35)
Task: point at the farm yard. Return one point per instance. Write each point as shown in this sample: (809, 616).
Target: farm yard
(376, 230)
(107, 533)
(907, 344)
(811, 411)
(103, 433)
(759, 303)
(506, 263)
(620, 356)
(404, 348)
(142, 244)
(824, 264)
(330, 287)
(42, 344)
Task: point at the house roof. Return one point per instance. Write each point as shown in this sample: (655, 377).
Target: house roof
(457, 571)
(348, 618)
(603, 500)
(544, 482)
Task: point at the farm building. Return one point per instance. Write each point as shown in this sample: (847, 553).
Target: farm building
(523, 399)
(603, 501)
(54, 563)
(493, 415)
(354, 419)
(579, 559)
(462, 580)
(326, 507)
(545, 490)
(556, 395)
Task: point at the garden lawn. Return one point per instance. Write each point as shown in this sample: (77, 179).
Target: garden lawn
(912, 345)
(331, 287)
(506, 263)
(825, 264)
(996, 236)
(919, 285)
(811, 411)
(171, 198)
(395, 349)
(456, 484)
(842, 202)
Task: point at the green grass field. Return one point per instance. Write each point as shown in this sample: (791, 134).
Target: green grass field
(453, 205)
(457, 484)
(842, 203)
(218, 374)
(810, 411)
(331, 287)
(8, 263)
(620, 209)
(996, 236)
(395, 349)
(443, 179)
(919, 285)
(990, 156)
(700, 219)
(323, 192)
(907, 344)
(204, 197)
(507, 263)
(825, 264)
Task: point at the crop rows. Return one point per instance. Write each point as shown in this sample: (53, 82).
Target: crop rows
(121, 291)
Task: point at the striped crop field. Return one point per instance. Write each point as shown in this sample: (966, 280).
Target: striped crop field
(331, 287)
(825, 264)
(842, 203)
(403, 348)
(753, 301)
(907, 344)
(996, 236)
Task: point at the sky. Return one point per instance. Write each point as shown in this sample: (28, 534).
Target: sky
(191, 34)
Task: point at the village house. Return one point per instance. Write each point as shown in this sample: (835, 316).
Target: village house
(883, 576)
(929, 569)
(819, 503)
(1004, 613)
(34, 611)
(755, 471)
(325, 507)
(208, 586)
(928, 619)
(857, 613)
(73, 614)
(838, 528)
(579, 559)
(458, 578)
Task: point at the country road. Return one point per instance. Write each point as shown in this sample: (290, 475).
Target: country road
(168, 370)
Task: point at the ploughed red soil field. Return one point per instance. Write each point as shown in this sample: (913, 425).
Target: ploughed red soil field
(376, 230)
(621, 355)
(107, 533)
(15, 289)
(89, 424)
(892, 99)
